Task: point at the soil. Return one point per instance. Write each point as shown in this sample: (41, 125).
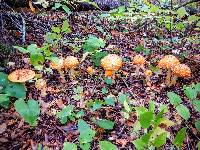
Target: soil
(49, 131)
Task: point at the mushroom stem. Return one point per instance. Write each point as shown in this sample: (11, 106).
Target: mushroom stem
(148, 81)
(109, 73)
(44, 92)
(168, 77)
(72, 73)
(137, 70)
(61, 74)
(173, 80)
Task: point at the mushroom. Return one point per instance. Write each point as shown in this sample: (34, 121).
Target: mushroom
(148, 74)
(71, 63)
(41, 85)
(180, 70)
(21, 75)
(90, 71)
(111, 63)
(58, 66)
(139, 61)
(167, 62)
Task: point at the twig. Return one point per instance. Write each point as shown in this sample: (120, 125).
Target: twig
(186, 3)
(23, 29)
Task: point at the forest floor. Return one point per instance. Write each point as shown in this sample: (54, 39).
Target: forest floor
(121, 37)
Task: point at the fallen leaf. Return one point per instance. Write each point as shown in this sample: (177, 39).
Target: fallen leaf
(122, 142)
(3, 128)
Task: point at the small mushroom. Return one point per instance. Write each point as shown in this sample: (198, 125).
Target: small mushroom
(139, 61)
(21, 75)
(148, 74)
(58, 66)
(71, 63)
(180, 70)
(90, 70)
(111, 63)
(167, 62)
(41, 85)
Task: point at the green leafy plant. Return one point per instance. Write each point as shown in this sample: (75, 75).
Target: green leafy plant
(66, 114)
(105, 145)
(29, 110)
(10, 89)
(86, 134)
(178, 140)
(104, 123)
(64, 4)
(92, 46)
(154, 135)
(69, 146)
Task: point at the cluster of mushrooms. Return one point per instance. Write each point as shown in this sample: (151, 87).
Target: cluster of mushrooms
(111, 64)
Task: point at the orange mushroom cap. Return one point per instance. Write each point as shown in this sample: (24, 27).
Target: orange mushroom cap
(138, 60)
(168, 62)
(57, 65)
(70, 62)
(148, 73)
(111, 62)
(181, 70)
(21, 75)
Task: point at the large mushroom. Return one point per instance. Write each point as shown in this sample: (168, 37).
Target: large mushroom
(21, 75)
(71, 63)
(139, 61)
(167, 62)
(58, 66)
(111, 63)
(180, 70)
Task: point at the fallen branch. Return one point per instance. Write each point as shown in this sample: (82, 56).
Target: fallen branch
(186, 3)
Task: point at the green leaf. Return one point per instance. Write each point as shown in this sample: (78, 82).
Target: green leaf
(86, 133)
(122, 97)
(65, 113)
(140, 110)
(93, 43)
(85, 146)
(139, 144)
(178, 141)
(146, 118)
(21, 49)
(106, 145)
(78, 90)
(4, 100)
(96, 105)
(190, 92)
(183, 111)
(97, 56)
(17, 90)
(152, 106)
(174, 98)
(105, 124)
(69, 146)
(197, 86)
(197, 125)
(110, 100)
(57, 5)
(108, 81)
(56, 29)
(127, 107)
(32, 48)
(104, 90)
(181, 12)
(192, 18)
(29, 111)
(160, 140)
(196, 104)
(66, 9)
(37, 59)
(3, 79)
(66, 27)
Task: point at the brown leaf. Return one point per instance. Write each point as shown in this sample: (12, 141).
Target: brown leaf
(122, 142)
(3, 128)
